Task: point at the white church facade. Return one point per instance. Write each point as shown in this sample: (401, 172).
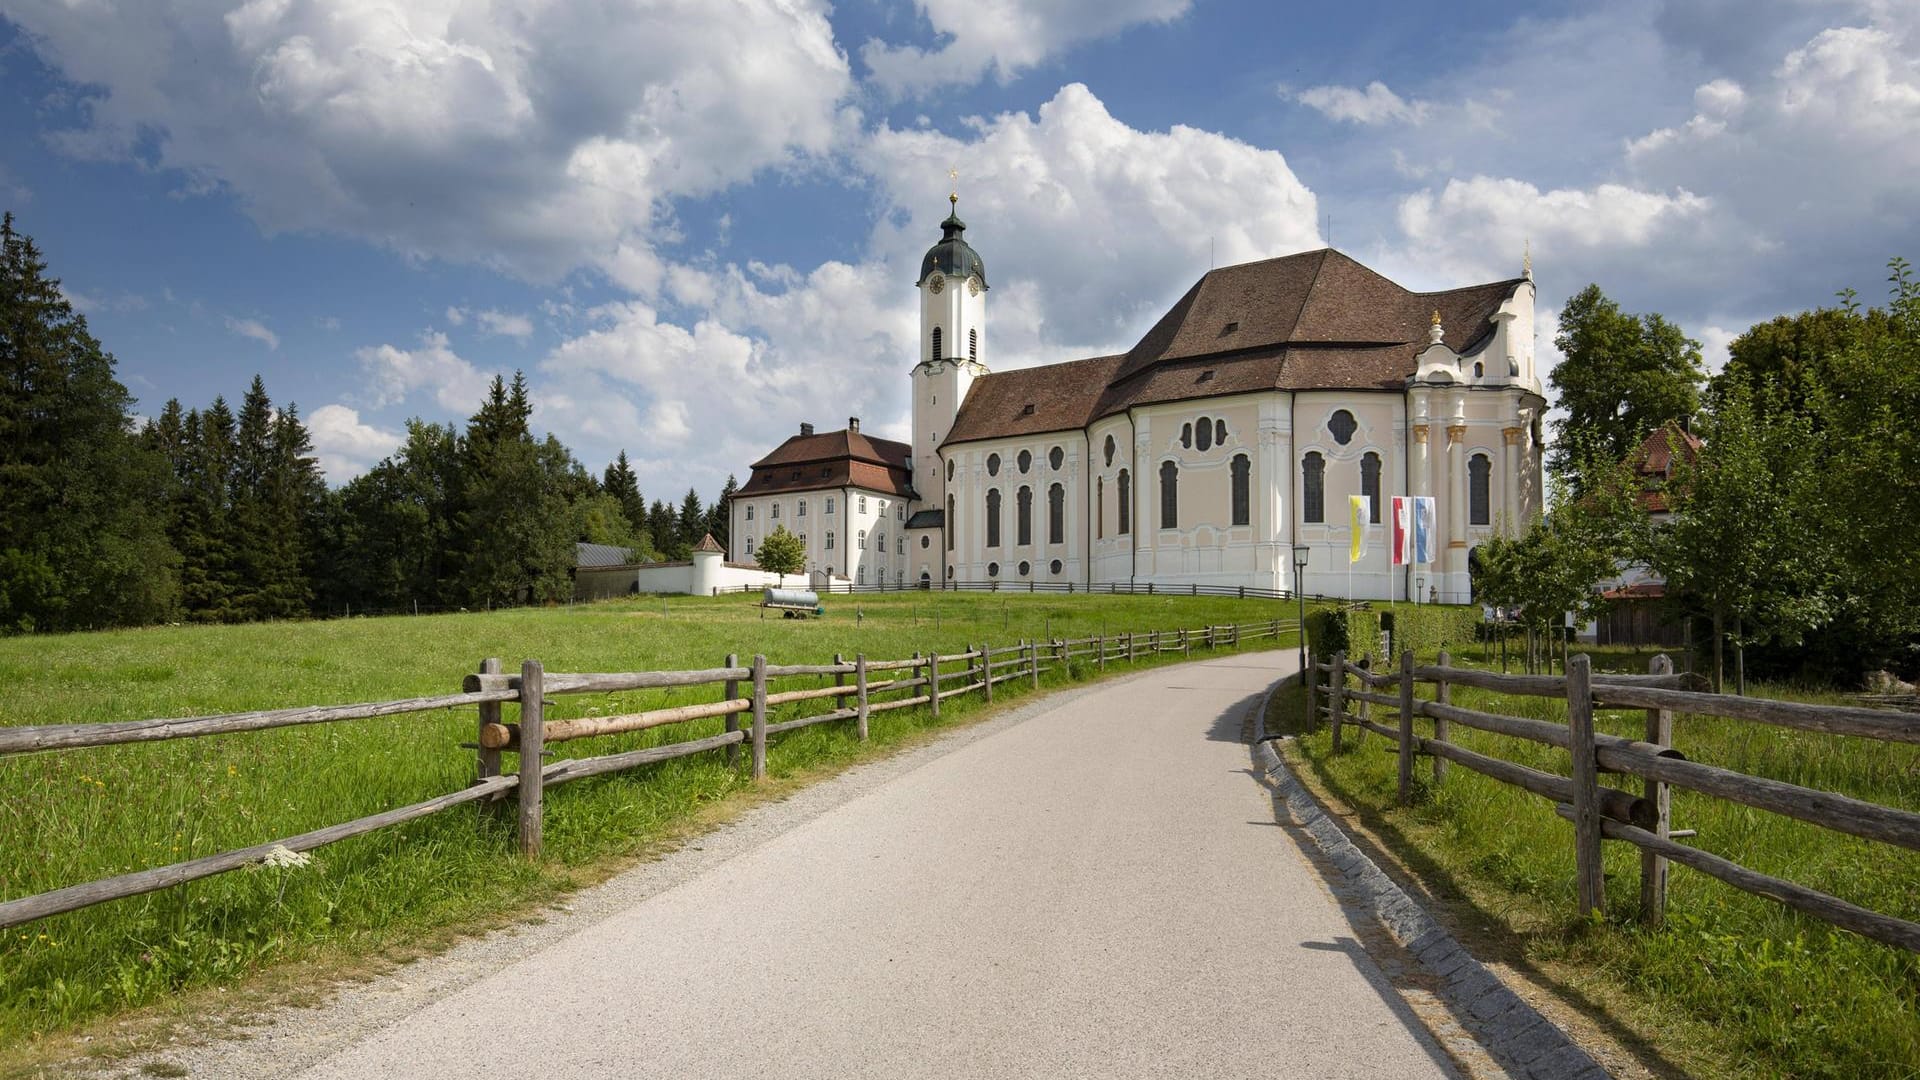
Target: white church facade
(1235, 429)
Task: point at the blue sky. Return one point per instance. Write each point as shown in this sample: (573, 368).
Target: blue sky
(695, 224)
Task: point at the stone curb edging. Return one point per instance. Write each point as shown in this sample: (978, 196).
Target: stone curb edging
(1519, 1038)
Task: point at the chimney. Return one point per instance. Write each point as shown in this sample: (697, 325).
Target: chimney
(853, 423)
(806, 428)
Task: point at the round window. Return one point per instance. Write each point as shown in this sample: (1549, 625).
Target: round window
(993, 464)
(1056, 457)
(926, 542)
(1342, 424)
(949, 470)
(1025, 569)
(1054, 566)
(1109, 449)
(1026, 460)
(993, 569)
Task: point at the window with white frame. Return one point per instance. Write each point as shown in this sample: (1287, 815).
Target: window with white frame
(860, 540)
(829, 540)
(863, 504)
(801, 510)
(749, 511)
(829, 504)
(776, 512)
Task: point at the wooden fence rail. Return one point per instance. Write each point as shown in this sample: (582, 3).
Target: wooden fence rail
(744, 693)
(1601, 812)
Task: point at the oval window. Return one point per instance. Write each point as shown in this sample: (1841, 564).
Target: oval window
(1220, 432)
(1025, 569)
(993, 569)
(949, 470)
(1186, 435)
(1056, 457)
(1342, 424)
(1026, 460)
(1204, 437)
(926, 542)
(1109, 450)
(993, 464)
(1054, 566)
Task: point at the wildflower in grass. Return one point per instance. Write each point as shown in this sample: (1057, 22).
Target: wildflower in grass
(283, 858)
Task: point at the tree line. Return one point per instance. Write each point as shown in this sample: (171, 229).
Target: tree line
(215, 515)
(1791, 539)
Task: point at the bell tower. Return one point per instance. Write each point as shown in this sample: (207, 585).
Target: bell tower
(953, 332)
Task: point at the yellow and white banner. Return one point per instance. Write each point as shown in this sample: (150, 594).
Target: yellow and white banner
(1358, 507)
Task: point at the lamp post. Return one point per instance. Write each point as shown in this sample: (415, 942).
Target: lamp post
(1300, 552)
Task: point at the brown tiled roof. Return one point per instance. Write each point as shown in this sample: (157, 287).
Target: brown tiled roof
(834, 459)
(1058, 397)
(1655, 455)
(1646, 590)
(708, 543)
(1313, 321)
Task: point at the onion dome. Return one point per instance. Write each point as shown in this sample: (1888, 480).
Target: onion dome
(953, 256)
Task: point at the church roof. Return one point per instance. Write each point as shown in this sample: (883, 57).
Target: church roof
(1314, 321)
(834, 459)
(953, 256)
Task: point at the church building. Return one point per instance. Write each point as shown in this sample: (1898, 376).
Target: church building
(1235, 429)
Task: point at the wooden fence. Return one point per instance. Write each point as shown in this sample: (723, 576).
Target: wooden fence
(1104, 588)
(746, 694)
(1600, 812)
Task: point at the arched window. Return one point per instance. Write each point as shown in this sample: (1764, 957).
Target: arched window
(952, 523)
(1056, 515)
(993, 519)
(973, 344)
(1124, 488)
(1109, 451)
(1204, 437)
(949, 470)
(1169, 495)
(1479, 504)
(1242, 489)
(1370, 484)
(801, 510)
(936, 343)
(862, 572)
(1479, 369)
(879, 541)
(1342, 424)
(1313, 488)
(1220, 432)
(1186, 435)
(1023, 516)
(863, 504)
(1099, 508)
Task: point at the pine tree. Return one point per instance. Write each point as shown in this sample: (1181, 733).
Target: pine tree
(691, 525)
(514, 525)
(720, 514)
(621, 483)
(81, 543)
(661, 527)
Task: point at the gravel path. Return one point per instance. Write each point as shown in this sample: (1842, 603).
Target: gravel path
(1092, 885)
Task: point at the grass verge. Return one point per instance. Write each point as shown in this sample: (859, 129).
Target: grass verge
(1734, 984)
(76, 816)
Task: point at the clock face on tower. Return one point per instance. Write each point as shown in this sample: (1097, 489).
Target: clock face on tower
(974, 286)
(935, 284)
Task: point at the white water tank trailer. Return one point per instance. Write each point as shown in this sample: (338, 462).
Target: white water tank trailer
(791, 603)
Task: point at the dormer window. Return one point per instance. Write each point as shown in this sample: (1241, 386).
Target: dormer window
(1028, 411)
(1229, 328)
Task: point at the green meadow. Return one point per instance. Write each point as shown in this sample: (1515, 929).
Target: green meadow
(73, 816)
(1734, 984)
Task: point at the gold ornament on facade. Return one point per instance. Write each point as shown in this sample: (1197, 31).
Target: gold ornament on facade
(1420, 433)
(1513, 435)
(1456, 433)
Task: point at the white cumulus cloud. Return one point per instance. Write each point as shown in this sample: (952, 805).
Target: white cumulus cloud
(395, 374)
(504, 324)
(1002, 37)
(1372, 106)
(345, 445)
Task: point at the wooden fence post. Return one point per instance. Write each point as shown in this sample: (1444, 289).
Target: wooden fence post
(1585, 775)
(487, 764)
(1443, 693)
(1033, 661)
(1336, 687)
(933, 682)
(1312, 679)
(1406, 726)
(860, 693)
(759, 717)
(1100, 650)
(1653, 868)
(1129, 637)
(532, 745)
(730, 692)
(986, 670)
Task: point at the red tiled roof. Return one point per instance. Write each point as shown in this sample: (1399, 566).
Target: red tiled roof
(1655, 455)
(1646, 590)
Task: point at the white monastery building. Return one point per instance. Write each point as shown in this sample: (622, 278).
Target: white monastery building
(1236, 428)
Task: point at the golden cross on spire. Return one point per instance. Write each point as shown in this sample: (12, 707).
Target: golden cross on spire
(1526, 259)
(953, 176)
